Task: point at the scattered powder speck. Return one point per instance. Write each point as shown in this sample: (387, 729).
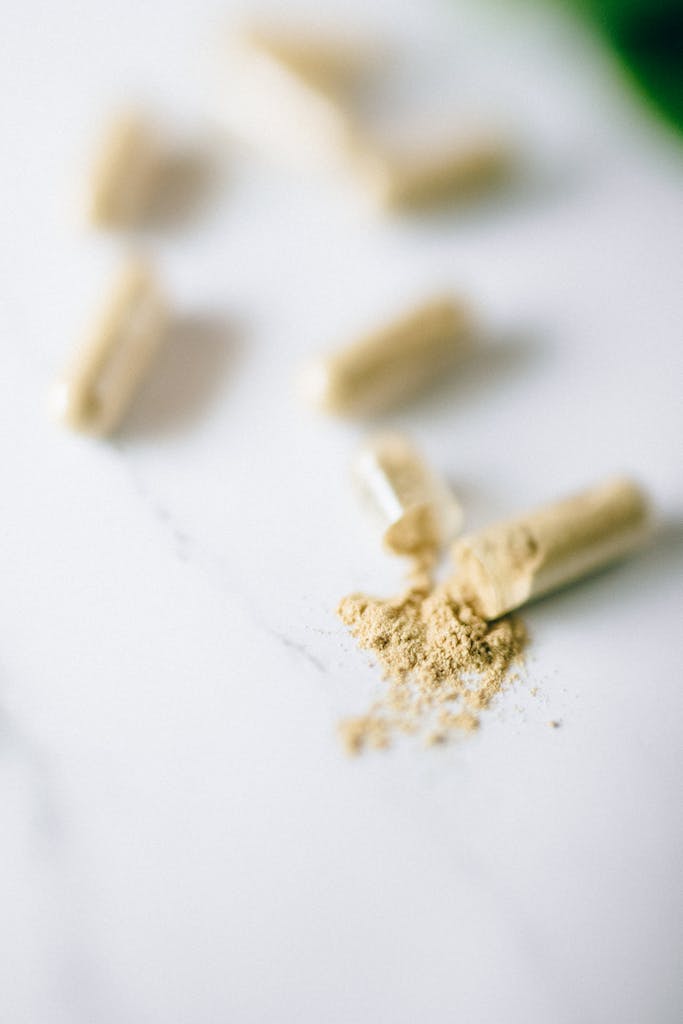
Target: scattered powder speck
(443, 664)
(369, 730)
(464, 720)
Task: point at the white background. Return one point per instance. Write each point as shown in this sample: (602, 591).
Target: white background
(181, 837)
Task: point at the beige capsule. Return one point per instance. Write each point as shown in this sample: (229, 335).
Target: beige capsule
(279, 107)
(329, 62)
(391, 363)
(415, 508)
(506, 565)
(430, 174)
(94, 393)
(125, 172)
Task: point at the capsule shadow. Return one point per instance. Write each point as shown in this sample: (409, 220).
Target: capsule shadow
(188, 181)
(186, 377)
(492, 361)
(481, 505)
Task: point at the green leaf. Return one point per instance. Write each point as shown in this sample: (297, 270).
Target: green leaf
(648, 37)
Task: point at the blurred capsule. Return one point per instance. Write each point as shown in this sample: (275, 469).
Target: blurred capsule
(330, 62)
(94, 393)
(415, 509)
(390, 364)
(274, 105)
(503, 566)
(431, 175)
(125, 173)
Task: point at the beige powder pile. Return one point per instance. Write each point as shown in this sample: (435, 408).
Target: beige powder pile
(442, 662)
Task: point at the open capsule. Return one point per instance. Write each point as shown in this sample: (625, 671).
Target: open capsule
(414, 508)
(502, 567)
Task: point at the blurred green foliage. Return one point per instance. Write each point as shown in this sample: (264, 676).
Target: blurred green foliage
(648, 37)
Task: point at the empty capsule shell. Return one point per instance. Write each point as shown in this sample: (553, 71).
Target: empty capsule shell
(414, 508)
(95, 392)
(504, 566)
(125, 173)
(390, 364)
(430, 175)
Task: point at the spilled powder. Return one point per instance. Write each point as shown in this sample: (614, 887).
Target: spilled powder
(443, 664)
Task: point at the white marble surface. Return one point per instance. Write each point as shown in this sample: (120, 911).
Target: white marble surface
(182, 839)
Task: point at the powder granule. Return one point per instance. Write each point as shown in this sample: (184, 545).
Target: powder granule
(464, 720)
(369, 730)
(441, 660)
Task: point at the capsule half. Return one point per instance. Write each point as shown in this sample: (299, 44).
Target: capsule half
(414, 508)
(502, 567)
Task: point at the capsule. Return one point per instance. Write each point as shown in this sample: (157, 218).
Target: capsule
(390, 364)
(431, 175)
(94, 393)
(274, 105)
(326, 62)
(125, 173)
(414, 508)
(502, 567)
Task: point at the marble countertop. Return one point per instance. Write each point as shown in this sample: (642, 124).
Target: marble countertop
(183, 839)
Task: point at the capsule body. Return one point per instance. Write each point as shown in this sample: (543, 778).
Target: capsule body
(390, 364)
(124, 174)
(414, 508)
(326, 62)
(94, 393)
(430, 175)
(275, 105)
(504, 566)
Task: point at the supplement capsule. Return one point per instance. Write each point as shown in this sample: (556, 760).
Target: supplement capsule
(416, 510)
(504, 566)
(125, 173)
(278, 108)
(326, 62)
(95, 392)
(460, 168)
(390, 364)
